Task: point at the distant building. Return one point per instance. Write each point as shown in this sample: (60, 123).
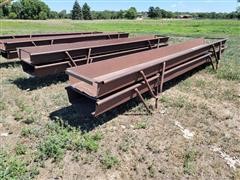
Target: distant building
(185, 16)
(139, 16)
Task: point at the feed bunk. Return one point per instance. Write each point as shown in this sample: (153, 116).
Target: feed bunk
(104, 85)
(8, 47)
(45, 60)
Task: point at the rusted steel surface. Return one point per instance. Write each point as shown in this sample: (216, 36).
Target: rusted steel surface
(108, 84)
(9, 47)
(45, 60)
(14, 36)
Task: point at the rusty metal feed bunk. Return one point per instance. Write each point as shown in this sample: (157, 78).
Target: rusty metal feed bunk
(9, 47)
(104, 85)
(45, 60)
(13, 36)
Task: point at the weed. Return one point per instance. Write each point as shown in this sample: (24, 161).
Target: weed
(141, 125)
(26, 132)
(151, 170)
(18, 116)
(108, 160)
(20, 149)
(30, 119)
(88, 142)
(61, 138)
(53, 146)
(11, 167)
(200, 83)
(229, 72)
(2, 105)
(188, 164)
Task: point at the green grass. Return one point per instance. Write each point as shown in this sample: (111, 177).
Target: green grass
(173, 27)
(109, 160)
(230, 69)
(189, 160)
(53, 140)
(61, 138)
(11, 167)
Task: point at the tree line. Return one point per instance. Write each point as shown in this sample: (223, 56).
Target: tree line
(37, 9)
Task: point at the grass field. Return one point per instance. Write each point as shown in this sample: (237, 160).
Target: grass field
(42, 137)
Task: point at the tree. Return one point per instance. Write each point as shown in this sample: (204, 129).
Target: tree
(62, 14)
(53, 15)
(17, 8)
(30, 9)
(86, 12)
(131, 13)
(5, 10)
(151, 12)
(12, 15)
(76, 12)
(154, 12)
(43, 15)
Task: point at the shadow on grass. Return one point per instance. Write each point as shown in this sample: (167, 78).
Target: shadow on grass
(33, 83)
(10, 64)
(71, 115)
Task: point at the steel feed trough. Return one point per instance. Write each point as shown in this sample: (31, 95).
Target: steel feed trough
(13, 36)
(45, 60)
(9, 47)
(101, 86)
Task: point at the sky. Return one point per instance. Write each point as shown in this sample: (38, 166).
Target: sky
(143, 5)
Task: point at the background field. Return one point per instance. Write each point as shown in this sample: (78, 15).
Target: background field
(125, 143)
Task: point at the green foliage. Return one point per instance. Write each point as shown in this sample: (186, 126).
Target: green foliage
(131, 13)
(53, 15)
(43, 15)
(108, 160)
(86, 12)
(26, 132)
(61, 138)
(30, 9)
(76, 12)
(5, 10)
(62, 14)
(141, 125)
(188, 164)
(88, 142)
(20, 149)
(12, 15)
(11, 167)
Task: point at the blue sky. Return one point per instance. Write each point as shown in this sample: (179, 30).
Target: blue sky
(143, 5)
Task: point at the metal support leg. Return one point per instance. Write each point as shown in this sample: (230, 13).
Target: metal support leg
(71, 60)
(149, 88)
(89, 54)
(162, 77)
(141, 98)
(220, 51)
(34, 43)
(149, 43)
(215, 55)
(211, 61)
